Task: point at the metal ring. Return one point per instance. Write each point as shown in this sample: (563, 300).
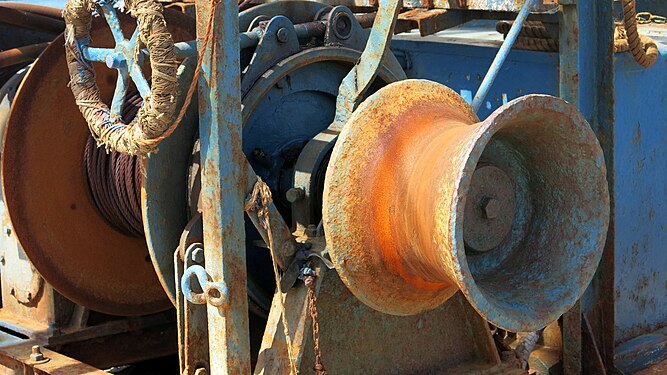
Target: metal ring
(202, 278)
(217, 294)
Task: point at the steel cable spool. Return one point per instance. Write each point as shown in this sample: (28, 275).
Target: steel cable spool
(114, 179)
(78, 220)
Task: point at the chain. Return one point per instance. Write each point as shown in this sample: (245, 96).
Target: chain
(647, 17)
(309, 280)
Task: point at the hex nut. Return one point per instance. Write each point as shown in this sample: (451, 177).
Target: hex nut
(491, 208)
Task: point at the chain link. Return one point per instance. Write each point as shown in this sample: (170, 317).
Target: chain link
(647, 17)
(309, 280)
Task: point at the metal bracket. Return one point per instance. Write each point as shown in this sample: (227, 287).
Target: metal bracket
(359, 79)
(343, 29)
(278, 42)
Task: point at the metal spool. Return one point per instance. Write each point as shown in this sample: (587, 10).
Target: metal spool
(52, 211)
(422, 200)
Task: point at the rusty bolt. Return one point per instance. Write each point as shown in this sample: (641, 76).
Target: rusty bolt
(491, 208)
(281, 35)
(295, 194)
(36, 354)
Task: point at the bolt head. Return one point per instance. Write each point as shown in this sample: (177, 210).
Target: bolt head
(36, 353)
(281, 35)
(491, 208)
(295, 194)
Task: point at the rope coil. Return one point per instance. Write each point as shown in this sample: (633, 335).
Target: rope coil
(115, 179)
(643, 49)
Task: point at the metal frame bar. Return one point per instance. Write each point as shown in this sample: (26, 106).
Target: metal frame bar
(501, 56)
(223, 187)
(568, 85)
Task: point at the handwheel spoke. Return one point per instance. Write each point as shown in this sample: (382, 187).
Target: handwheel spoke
(134, 38)
(113, 22)
(119, 94)
(96, 54)
(139, 80)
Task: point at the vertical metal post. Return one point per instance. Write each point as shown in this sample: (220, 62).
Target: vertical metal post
(596, 102)
(224, 180)
(568, 86)
(587, 80)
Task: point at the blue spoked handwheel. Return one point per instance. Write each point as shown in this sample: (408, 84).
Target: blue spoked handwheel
(157, 113)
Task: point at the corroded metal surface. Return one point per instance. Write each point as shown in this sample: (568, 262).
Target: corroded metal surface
(399, 181)
(54, 217)
(355, 339)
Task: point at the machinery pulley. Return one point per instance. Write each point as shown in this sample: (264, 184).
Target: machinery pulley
(422, 200)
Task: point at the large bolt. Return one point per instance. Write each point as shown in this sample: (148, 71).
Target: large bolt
(36, 354)
(281, 35)
(295, 194)
(491, 208)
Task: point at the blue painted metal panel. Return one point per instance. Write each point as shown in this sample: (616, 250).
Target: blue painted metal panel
(463, 66)
(637, 146)
(641, 197)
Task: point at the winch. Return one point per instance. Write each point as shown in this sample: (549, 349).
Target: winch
(365, 187)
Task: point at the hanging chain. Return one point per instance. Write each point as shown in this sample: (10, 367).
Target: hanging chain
(309, 279)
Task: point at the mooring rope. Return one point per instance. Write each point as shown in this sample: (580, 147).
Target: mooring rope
(643, 49)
